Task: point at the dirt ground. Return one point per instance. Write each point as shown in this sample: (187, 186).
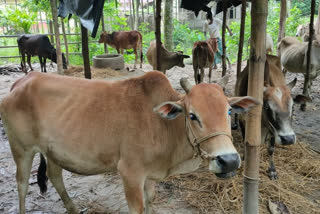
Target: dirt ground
(104, 193)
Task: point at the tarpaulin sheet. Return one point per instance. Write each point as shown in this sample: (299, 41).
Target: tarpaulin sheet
(89, 12)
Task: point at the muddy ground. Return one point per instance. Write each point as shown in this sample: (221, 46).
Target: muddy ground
(104, 193)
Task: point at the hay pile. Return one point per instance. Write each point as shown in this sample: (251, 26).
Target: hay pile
(78, 71)
(298, 186)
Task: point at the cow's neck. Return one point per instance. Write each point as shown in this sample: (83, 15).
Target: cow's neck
(184, 160)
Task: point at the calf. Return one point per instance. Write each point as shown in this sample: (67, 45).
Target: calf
(293, 55)
(168, 59)
(140, 127)
(37, 45)
(277, 108)
(124, 40)
(203, 57)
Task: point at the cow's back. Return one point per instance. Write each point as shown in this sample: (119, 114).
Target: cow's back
(76, 116)
(35, 45)
(274, 75)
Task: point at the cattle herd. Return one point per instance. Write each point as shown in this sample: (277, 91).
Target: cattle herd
(142, 127)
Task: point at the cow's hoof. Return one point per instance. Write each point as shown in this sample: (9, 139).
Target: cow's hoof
(273, 175)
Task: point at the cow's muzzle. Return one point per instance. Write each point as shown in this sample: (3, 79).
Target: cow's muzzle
(227, 164)
(287, 139)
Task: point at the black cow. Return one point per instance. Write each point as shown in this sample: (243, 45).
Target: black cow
(37, 45)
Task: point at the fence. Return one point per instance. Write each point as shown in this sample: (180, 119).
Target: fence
(47, 34)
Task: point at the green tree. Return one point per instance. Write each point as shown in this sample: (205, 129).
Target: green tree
(20, 19)
(304, 6)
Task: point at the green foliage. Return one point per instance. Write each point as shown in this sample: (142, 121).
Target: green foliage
(184, 37)
(19, 19)
(114, 20)
(304, 6)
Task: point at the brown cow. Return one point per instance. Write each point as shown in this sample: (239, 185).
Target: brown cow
(168, 59)
(124, 40)
(277, 107)
(140, 127)
(203, 57)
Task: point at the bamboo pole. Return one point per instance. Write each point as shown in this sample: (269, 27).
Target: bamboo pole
(142, 12)
(41, 21)
(158, 33)
(259, 11)
(51, 31)
(224, 26)
(103, 29)
(65, 40)
(57, 35)
(282, 21)
(85, 52)
(241, 39)
(307, 83)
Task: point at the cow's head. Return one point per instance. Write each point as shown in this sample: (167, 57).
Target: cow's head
(64, 62)
(207, 113)
(277, 111)
(301, 30)
(103, 37)
(179, 56)
(54, 58)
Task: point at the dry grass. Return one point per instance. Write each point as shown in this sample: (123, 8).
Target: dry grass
(77, 71)
(298, 186)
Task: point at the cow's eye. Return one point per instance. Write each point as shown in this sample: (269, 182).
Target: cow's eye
(193, 117)
(229, 112)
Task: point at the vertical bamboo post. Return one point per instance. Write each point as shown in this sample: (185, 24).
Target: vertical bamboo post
(307, 83)
(282, 21)
(142, 12)
(51, 31)
(103, 29)
(57, 35)
(242, 27)
(85, 52)
(158, 33)
(224, 26)
(259, 11)
(148, 7)
(41, 21)
(65, 40)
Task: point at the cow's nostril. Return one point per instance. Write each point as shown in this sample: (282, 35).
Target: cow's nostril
(288, 139)
(228, 162)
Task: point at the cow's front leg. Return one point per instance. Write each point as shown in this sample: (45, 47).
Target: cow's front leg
(210, 71)
(133, 183)
(40, 60)
(272, 173)
(136, 60)
(149, 193)
(29, 61)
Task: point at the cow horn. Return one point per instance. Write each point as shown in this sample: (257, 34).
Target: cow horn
(185, 84)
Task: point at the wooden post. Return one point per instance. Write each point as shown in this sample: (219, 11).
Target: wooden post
(142, 12)
(307, 83)
(57, 35)
(41, 21)
(259, 11)
(51, 31)
(242, 27)
(282, 22)
(224, 26)
(148, 7)
(65, 40)
(103, 29)
(85, 52)
(158, 33)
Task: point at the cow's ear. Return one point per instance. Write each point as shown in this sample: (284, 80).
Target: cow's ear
(169, 110)
(243, 104)
(185, 56)
(301, 99)
(292, 83)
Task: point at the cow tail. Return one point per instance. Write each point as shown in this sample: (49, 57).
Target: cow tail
(141, 54)
(41, 176)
